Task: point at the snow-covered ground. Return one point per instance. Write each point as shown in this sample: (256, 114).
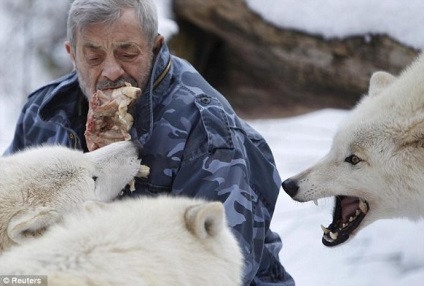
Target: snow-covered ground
(389, 253)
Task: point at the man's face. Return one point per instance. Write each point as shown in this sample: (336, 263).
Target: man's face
(107, 56)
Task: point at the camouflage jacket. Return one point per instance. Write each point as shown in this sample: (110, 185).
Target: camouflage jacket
(194, 144)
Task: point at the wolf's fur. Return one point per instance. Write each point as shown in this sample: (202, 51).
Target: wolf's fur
(39, 185)
(149, 241)
(385, 132)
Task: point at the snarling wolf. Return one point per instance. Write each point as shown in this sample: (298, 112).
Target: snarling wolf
(375, 167)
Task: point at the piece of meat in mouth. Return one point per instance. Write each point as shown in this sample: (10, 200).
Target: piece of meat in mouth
(109, 118)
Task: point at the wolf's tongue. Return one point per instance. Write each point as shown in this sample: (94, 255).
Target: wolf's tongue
(349, 206)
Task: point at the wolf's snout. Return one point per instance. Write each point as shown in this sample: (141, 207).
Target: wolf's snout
(291, 187)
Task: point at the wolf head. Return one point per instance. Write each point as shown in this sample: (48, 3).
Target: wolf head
(39, 185)
(375, 167)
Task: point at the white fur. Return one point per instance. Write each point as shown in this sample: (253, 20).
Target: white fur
(156, 241)
(39, 185)
(386, 131)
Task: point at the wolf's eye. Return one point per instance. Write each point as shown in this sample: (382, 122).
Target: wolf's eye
(353, 159)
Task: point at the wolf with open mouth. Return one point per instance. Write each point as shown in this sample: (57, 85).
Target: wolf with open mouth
(375, 167)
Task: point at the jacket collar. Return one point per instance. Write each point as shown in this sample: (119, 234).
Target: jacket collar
(158, 85)
(161, 69)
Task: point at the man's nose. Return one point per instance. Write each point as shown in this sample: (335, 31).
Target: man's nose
(112, 69)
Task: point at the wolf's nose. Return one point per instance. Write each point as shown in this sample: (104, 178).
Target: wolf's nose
(291, 187)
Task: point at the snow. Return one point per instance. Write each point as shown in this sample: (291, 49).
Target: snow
(390, 252)
(340, 19)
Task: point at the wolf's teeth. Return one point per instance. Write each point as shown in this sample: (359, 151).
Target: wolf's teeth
(363, 206)
(351, 219)
(334, 235)
(325, 230)
(316, 202)
(357, 212)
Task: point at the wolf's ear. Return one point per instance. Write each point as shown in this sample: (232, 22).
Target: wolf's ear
(31, 223)
(205, 220)
(411, 132)
(379, 81)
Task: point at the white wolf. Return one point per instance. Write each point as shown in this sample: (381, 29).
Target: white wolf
(149, 241)
(375, 167)
(39, 185)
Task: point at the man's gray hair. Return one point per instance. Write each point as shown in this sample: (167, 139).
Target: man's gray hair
(86, 12)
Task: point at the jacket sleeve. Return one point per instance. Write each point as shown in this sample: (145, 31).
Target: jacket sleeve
(238, 170)
(29, 126)
(18, 140)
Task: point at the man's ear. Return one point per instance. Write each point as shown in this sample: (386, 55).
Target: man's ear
(158, 44)
(31, 223)
(71, 52)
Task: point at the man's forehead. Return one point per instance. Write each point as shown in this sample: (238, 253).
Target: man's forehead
(122, 33)
(120, 44)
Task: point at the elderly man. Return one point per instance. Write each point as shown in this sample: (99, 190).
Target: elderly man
(194, 143)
